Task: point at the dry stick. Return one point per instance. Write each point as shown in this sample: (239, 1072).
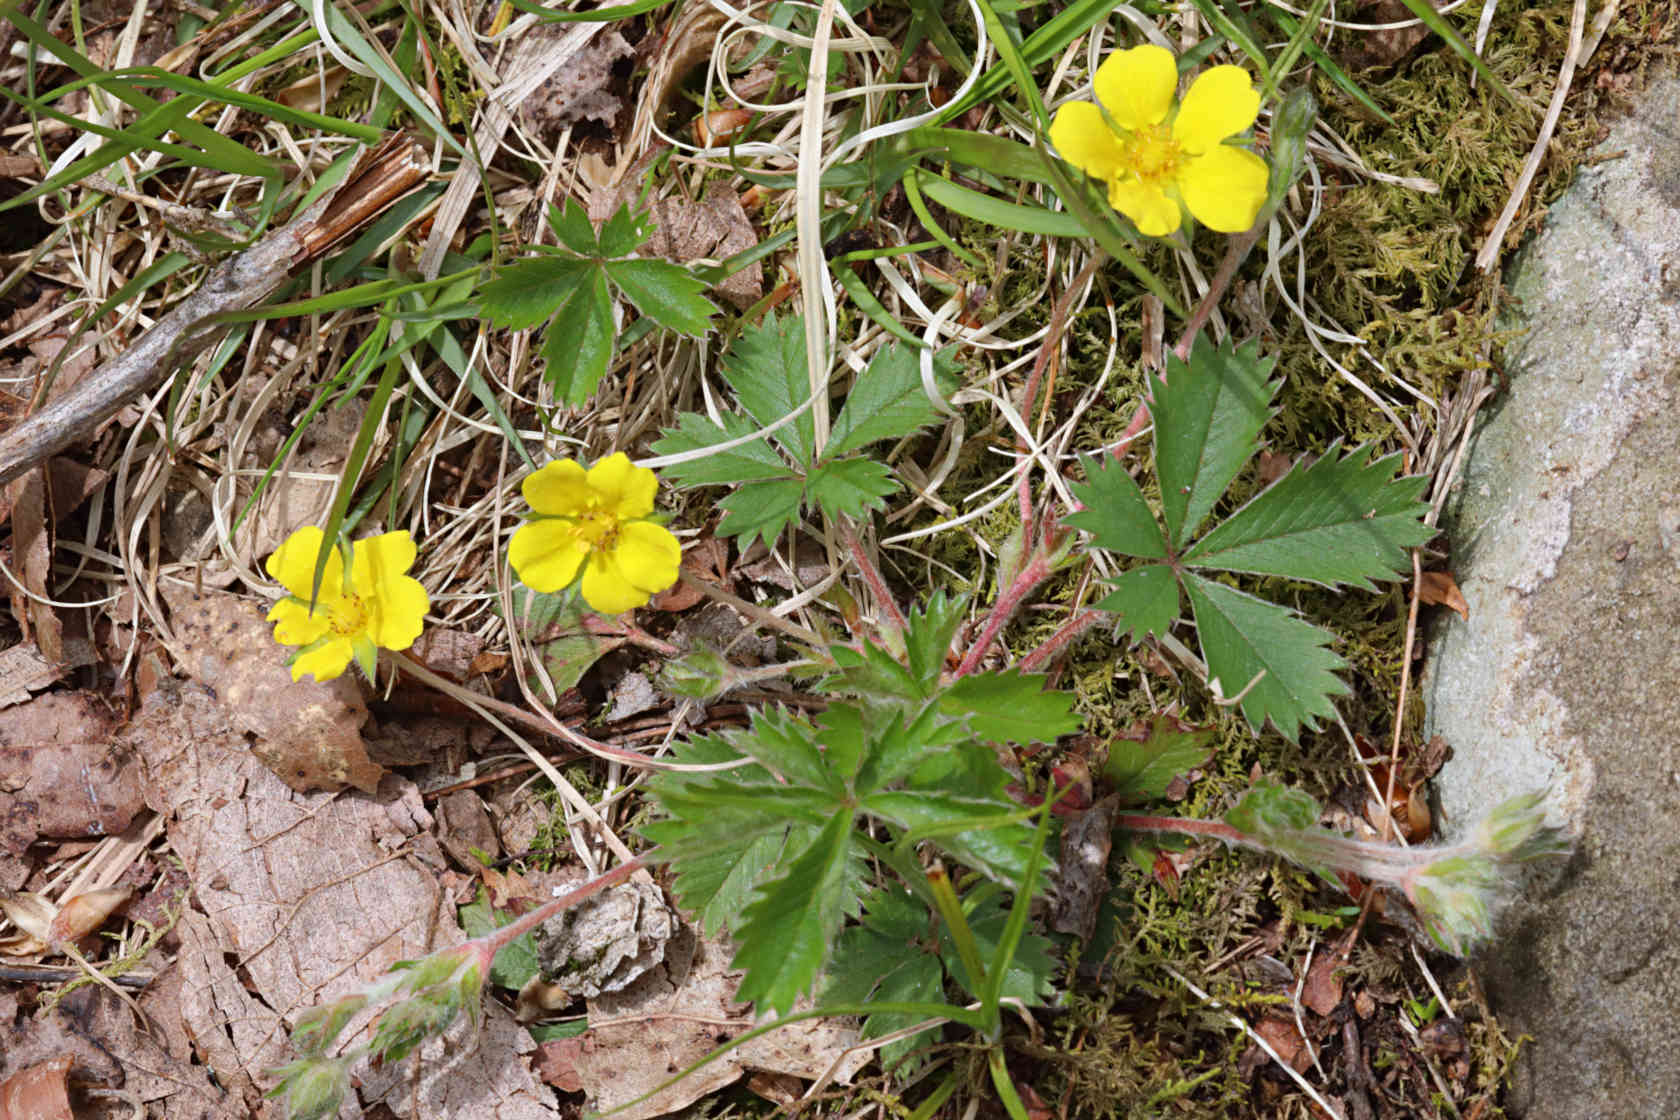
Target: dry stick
(391, 171)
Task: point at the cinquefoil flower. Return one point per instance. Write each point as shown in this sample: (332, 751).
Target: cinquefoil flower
(1154, 159)
(595, 520)
(366, 601)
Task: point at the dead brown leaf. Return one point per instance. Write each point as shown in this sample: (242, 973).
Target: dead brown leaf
(557, 1064)
(1387, 46)
(449, 653)
(59, 774)
(1285, 1038)
(674, 1016)
(463, 824)
(715, 227)
(309, 896)
(23, 668)
(41, 1092)
(706, 560)
(1441, 588)
(580, 90)
(306, 732)
(31, 561)
(1322, 992)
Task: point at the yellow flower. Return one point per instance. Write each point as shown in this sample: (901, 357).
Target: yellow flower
(598, 516)
(1152, 164)
(365, 602)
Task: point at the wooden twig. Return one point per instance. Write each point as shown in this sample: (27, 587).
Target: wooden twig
(381, 178)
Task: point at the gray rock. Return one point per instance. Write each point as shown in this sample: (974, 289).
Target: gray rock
(1566, 543)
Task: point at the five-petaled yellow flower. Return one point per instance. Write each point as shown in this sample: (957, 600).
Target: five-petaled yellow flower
(366, 601)
(595, 520)
(1152, 164)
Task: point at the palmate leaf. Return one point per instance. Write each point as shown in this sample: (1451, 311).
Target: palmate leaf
(1343, 520)
(1207, 417)
(754, 461)
(578, 344)
(850, 487)
(525, 293)
(888, 400)
(1243, 636)
(1115, 512)
(788, 928)
(889, 958)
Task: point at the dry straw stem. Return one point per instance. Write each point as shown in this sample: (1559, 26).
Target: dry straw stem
(246, 280)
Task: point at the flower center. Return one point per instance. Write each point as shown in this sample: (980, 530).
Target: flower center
(349, 616)
(1152, 154)
(599, 529)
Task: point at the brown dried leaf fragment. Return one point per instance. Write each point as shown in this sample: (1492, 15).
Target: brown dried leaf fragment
(306, 732)
(41, 1092)
(60, 775)
(1441, 588)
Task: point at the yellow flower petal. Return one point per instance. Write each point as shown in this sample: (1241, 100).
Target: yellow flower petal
(647, 555)
(324, 663)
(293, 565)
(399, 613)
(546, 554)
(376, 562)
(1083, 138)
(1149, 208)
(606, 589)
(1221, 103)
(1136, 86)
(295, 624)
(1224, 188)
(560, 488)
(621, 487)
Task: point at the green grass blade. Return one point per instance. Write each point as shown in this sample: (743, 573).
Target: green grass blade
(599, 15)
(998, 213)
(1288, 25)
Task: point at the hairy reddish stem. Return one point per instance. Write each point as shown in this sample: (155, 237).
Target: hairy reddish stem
(492, 943)
(872, 576)
(1219, 830)
(1036, 571)
(1060, 640)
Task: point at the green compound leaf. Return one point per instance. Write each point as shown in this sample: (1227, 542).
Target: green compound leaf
(850, 487)
(578, 344)
(516, 962)
(762, 509)
(528, 292)
(667, 293)
(970, 829)
(751, 462)
(793, 920)
(1243, 636)
(1031, 974)
(890, 958)
(623, 232)
(1010, 707)
(1116, 514)
(572, 228)
(889, 401)
(1146, 599)
(928, 634)
(766, 368)
(1142, 770)
(1343, 520)
(1207, 416)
